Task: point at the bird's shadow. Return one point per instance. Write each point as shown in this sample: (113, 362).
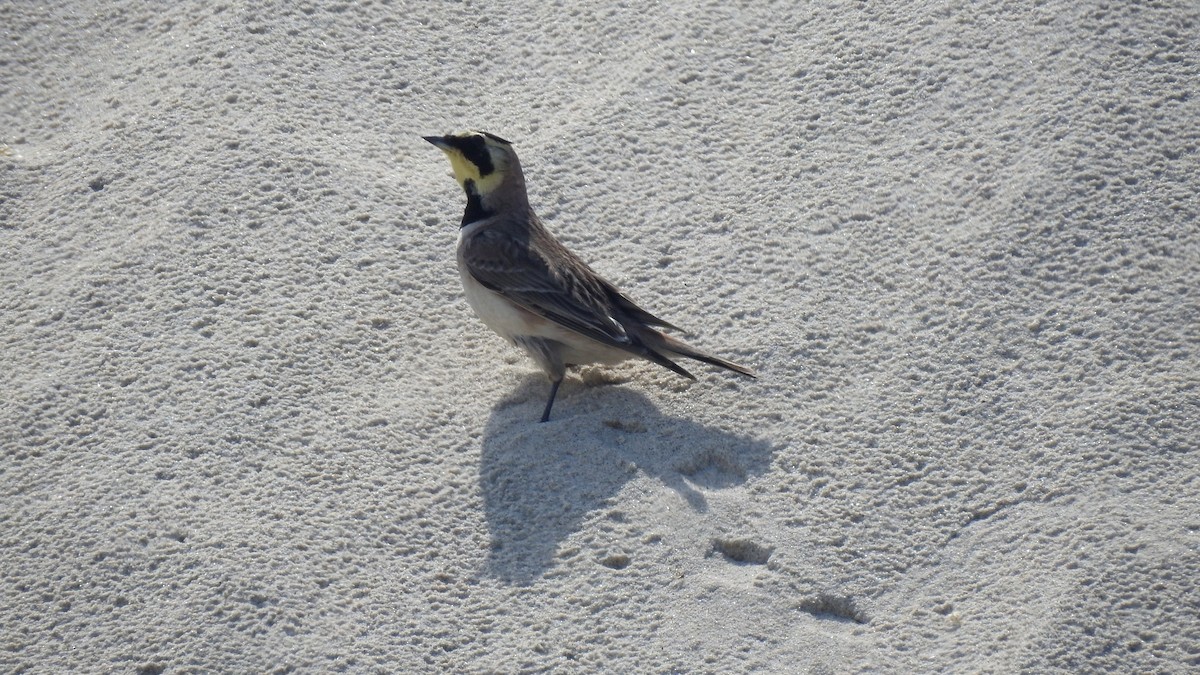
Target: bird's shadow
(539, 481)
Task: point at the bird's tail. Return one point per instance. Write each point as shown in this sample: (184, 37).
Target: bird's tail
(662, 346)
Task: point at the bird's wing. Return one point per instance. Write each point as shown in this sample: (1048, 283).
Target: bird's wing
(570, 295)
(629, 307)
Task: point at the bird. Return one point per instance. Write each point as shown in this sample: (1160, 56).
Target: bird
(532, 290)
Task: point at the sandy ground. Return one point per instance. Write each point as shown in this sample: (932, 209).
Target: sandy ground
(250, 425)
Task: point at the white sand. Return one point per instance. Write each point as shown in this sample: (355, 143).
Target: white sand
(250, 425)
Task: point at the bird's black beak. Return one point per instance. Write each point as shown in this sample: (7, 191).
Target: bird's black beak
(440, 141)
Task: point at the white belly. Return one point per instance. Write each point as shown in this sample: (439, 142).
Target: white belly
(499, 314)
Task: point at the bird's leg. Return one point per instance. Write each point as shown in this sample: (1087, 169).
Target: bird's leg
(550, 402)
(546, 353)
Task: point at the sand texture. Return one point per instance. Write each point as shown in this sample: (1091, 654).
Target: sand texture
(249, 423)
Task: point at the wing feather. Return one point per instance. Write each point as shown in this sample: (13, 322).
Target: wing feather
(547, 279)
(563, 289)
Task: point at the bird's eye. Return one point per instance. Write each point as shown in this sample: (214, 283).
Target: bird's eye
(475, 150)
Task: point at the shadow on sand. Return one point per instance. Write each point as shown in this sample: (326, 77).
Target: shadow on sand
(539, 481)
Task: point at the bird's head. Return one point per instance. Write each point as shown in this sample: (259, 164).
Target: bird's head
(483, 163)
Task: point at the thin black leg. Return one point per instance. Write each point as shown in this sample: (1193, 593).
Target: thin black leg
(550, 403)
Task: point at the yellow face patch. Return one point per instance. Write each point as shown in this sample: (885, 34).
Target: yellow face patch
(463, 169)
(466, 170)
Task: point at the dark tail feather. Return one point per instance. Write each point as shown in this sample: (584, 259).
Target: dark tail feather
(659, 343)
(663, 361)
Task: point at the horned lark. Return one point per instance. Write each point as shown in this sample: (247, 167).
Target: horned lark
(530, 289)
